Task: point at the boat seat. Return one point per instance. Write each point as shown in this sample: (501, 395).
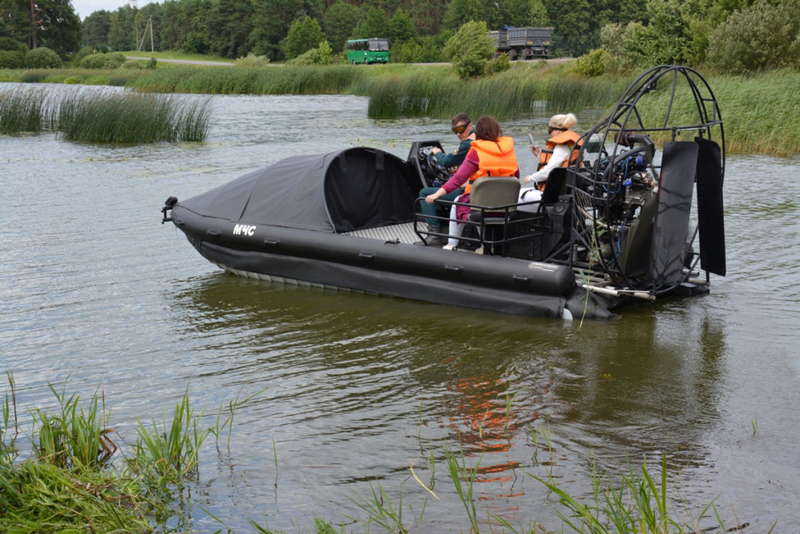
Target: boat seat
(554, 187)
(498, 193)
(493, 201)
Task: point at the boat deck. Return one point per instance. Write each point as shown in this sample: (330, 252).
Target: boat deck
(404, 233)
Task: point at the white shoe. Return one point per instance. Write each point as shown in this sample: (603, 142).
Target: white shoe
(449, 247)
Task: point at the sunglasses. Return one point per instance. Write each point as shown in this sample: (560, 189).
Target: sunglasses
(551, 129)
(461, 128)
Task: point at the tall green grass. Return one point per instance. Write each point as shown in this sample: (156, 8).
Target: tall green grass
(272, 80)
(171, 449)
(41, 498)
(510, 94)
(68, 484)
(108, 117)
(758, 112)
(10, 424)
(638, 504)
(40, 495)
(77, 437)
(22, 110)
(131, 118)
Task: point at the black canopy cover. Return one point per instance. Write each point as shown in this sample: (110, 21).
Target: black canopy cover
(352, 189)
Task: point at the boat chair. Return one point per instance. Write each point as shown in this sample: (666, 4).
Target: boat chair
(493, 202)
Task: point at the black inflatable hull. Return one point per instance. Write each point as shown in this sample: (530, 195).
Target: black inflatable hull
(388, 268)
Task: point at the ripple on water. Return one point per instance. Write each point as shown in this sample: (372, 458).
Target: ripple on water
(353, 389)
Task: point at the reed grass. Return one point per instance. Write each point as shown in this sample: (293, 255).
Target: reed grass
(220, 423)
(463, 479)
(171, 450)
(126, 117)
(381, 511)
(131, 118)
(41, 498)
(9, 431)
(40, 495)
(637, 505)
(22, 110)
(77, 437)
(757, 111)
(510, 94)
(273, 80)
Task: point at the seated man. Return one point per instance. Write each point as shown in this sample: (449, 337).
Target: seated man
(462, 127)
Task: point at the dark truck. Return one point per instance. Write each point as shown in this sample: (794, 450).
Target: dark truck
(522, 43)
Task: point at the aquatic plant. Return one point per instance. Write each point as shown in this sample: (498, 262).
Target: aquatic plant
(463, 479)
(22, 111)
(171, 449)
(9, 423)
(512, 93)
(131, 118)
(75, 437)
(335, 79)
(638, 504)
(39, 497)
(753, 108)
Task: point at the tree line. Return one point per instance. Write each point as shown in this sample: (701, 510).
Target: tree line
(735, 35)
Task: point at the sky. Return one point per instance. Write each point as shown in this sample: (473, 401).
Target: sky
(84, 8)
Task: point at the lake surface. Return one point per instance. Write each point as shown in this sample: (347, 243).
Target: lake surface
(354, 389)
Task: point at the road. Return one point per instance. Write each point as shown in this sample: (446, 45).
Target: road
(550, 62)
(186, 61)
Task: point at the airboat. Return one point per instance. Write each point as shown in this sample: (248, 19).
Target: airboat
(638, 217)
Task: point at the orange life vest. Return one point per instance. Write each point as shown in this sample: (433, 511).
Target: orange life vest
(494, 159)
(567, 137)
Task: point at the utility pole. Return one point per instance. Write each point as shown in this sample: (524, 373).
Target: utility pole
(148, 27)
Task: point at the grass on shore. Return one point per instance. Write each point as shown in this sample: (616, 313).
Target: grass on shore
(176, 54)
(751, 106)
(68, 484)
(282, 81)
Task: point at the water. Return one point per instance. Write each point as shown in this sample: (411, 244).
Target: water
(355, 389)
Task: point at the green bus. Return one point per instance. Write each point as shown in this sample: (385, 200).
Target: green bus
(367, 51)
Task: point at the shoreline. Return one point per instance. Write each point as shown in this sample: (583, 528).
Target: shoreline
(748, 104)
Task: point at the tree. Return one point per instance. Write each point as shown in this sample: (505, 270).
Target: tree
(271, 22)
(469, 49)
(120, 31)
(520, 13)
(576, 25)
(374, 23)
(95, 28)
(459, 12)
(304, 35)
(427, 15)
(538, 14)
(341, 20)
(401, 28)
(51, 23)
(762, 37)
(230, 25)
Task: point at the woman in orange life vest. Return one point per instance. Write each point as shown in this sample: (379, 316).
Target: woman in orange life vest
(491, 155)
(558, 152)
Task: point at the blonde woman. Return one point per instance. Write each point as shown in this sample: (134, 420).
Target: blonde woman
(560, 151)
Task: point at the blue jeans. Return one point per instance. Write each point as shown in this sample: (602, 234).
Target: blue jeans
(430, 209)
